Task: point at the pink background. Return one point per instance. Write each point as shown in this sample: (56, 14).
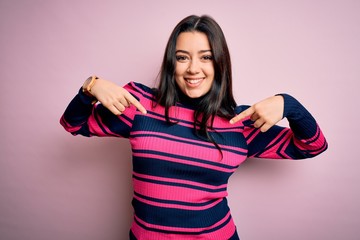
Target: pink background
(59, 187)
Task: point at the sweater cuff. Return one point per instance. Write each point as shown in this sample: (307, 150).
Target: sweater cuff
(86, 99)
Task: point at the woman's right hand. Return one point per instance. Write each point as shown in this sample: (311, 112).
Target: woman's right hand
(114, 97)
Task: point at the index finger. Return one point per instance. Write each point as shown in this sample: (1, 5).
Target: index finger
(135, 102)
(246, 113)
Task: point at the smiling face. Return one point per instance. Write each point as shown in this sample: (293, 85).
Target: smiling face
(194, 70)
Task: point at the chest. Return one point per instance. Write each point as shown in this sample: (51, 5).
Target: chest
(180, 140)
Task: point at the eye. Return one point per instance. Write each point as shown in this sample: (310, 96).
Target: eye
(181, 58)
(207, 58)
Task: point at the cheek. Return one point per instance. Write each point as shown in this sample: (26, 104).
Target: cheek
(210, 71)
(180, 69)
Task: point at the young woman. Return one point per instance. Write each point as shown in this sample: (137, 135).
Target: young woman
(188, 135)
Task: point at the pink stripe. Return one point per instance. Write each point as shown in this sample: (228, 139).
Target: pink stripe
(177, 206)
(316, 149)
(190, 140)
(178, 193)
(130, 113)
(288, 135)
(249, 130)
(272, 152)
(310, 146)
(179, 148)
(174, 180)
(224, 233)
(225, 123)
(300, 144)
(320, 150)
(94, 128)
(287, 138)
(176, 113)
(316, 134)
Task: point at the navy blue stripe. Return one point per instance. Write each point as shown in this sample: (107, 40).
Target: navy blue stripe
(100, 124)
(84, 130)
(161, 168)
(127, 118)
(171, 118)
(260, 143)
(143, 95)
(179, 185)
(192, 123)
(252, 133)
(279, 151)
(229, 128)
(172, 139)
(323, 148)
(275, 143)
(315, 139)
(186, 233)
(295, 153)
(194, 204)
(174, 217)
(145, 89)
(217, 164)
(112, 122)
(317, 149)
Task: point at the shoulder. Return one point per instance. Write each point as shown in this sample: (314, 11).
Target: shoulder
(140, 90)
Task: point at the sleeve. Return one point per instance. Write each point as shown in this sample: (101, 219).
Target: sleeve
(304, 138)
(87, 119)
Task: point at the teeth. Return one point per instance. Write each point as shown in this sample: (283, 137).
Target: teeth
(193, 81)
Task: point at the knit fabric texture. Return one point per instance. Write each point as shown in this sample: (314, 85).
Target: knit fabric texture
(179, 178)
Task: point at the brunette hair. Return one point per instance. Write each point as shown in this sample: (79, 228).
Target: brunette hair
(219, 101)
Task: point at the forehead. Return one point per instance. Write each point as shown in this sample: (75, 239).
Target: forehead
(192, 41)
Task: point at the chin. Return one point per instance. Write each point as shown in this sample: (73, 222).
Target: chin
(195, 95)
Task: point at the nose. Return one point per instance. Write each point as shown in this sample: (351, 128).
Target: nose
(194, 67)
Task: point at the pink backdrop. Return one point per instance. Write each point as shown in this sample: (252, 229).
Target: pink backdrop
(55, 186)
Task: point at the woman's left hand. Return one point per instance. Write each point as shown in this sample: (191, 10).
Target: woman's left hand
(264, 114)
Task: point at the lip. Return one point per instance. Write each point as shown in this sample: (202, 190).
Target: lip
(194, 81)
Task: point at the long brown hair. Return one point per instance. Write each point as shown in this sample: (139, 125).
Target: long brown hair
(219, 101)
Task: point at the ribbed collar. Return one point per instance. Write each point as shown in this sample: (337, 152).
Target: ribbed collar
(189, 102)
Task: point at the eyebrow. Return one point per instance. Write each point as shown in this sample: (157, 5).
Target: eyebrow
(183, 51)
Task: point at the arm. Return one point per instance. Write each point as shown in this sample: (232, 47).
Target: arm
(303, 139)
(113, 116)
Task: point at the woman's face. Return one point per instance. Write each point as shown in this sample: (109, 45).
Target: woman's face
(194, 70)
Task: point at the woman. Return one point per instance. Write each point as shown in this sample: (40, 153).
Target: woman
(188, 136)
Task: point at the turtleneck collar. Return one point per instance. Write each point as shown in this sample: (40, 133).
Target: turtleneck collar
(189, 102)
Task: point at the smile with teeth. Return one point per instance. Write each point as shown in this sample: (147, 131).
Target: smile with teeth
(193, 80)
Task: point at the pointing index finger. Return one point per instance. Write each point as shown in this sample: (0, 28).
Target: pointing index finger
(136, 103)
(246, 113)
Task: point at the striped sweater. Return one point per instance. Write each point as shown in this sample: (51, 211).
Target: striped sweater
(179, 179)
